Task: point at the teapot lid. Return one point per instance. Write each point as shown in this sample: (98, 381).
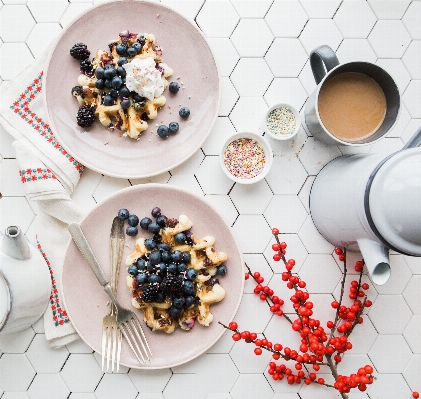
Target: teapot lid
(4, 300)
(394, 200)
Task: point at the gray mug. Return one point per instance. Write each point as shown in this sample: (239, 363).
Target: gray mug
(325, 65)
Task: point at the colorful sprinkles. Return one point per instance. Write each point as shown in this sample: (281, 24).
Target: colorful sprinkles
(244, 158)
(281, 121)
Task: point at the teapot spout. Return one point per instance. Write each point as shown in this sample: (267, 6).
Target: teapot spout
(15, 244)
(376, 258)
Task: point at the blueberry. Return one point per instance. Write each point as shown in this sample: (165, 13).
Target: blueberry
(141, 278)
(176, 256)
(99, 73)
(150, 243)
(131, 231)
(191, 274)
(153, 278)
(180, 238)
(162, 220)
(186, 257)
(150, 268)
(162, 267)
(173, 126)
(100, 84)
(145, 222)
(131, 52)
(121, 61)
(133, 220)
(178, 302)
(124, 92)
(181, 267)
(166, 257)
(163, 131)
(160, 297)
(121, 71)
(116, 82)
(156, 212)
(113, 93)
(137, 46)
(188, 301)
(154, 227)
(141, 264)
(123, 214)
(164, 247)
(155, 257)
(125, 103)
(188, 288)
(132, 270)
(221, 270)
(121, 49)
(108, 66)
(172, 268)
(184, 112)
(108, 100)
(108, 83)
(174, 87)
(110, 73)
(137, 97)
(174, 312)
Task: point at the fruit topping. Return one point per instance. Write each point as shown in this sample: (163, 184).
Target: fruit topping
(86, 115)
(80, 51)
(184, 112)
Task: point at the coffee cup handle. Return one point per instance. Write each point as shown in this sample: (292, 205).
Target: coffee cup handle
(322, 60)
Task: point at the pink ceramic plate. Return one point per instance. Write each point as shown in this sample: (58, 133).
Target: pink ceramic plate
(185, 50)
(86, 301)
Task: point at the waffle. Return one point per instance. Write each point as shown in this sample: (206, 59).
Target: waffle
(134, 120)
(204, 259)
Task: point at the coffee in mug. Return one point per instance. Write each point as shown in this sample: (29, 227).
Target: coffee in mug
(352, 106)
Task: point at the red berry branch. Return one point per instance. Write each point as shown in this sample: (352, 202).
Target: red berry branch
(318, 346)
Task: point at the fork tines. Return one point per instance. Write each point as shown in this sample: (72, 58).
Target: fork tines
(133, 332)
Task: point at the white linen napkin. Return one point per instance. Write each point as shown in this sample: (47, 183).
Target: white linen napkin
(49, 175)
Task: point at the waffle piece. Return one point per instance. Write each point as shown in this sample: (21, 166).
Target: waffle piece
(204, 259)
(133, 120)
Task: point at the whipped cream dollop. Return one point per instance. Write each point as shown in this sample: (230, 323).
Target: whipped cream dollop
(143, 78)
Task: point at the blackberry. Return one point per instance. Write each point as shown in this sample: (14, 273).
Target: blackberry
(86, 67)
(86, 115)
(171, 284)
(80, 51)
(78, 91)
(150, 293)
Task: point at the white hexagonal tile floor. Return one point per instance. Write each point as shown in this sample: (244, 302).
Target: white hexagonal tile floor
(262, 49)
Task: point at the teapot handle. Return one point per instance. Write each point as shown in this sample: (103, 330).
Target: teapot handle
(322, 60)
(414, 141)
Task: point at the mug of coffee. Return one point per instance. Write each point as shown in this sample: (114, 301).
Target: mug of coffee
(355, 103)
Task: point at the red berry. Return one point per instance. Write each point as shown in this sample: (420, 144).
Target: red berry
(365, 286)
(257, 351)
(283, 245)
(279, 312)
(334, 304)
(415, 395)
(302, 284)
(307, 381)
(362, 387)
(316, 367)
(236, 337)
(276, 247)
(368, 303)
(256, 274)
(321, 381)
(329, 324)
(275, 231)
(245, 334)
(368, 369)
(246, 276)
(277, 257)
(260, 280)
(338, 251)
(263, 297)
(341, 257)
(253, 336)
(276, 356)
(233, 325)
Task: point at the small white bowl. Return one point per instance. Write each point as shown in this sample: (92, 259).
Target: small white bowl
(266, 148)
(282, 137)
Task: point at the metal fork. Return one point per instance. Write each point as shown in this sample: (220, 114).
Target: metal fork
(126, 319)
(111, 334)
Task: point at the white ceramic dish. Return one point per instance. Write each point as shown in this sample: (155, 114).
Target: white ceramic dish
(268, 156)
(282, 137)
